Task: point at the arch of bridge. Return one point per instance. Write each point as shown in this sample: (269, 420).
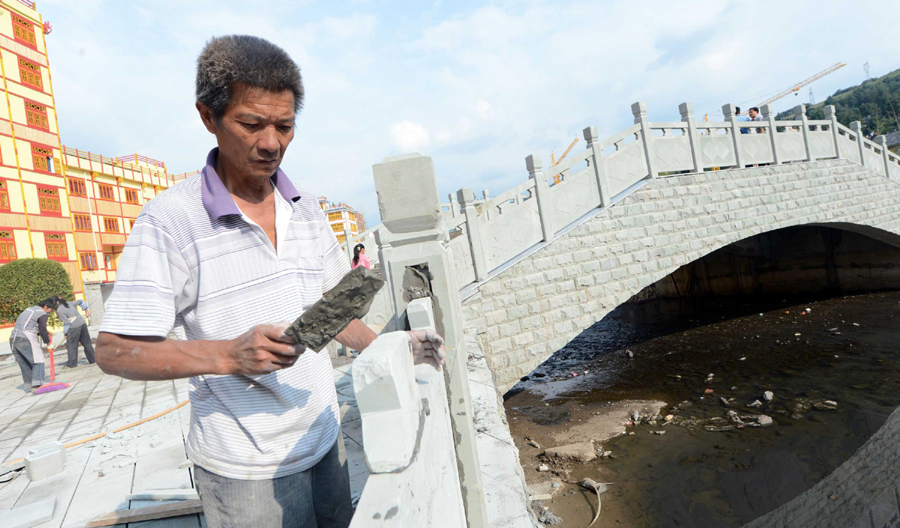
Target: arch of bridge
(535, 307)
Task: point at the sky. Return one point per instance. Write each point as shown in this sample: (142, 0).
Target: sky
(476, 86)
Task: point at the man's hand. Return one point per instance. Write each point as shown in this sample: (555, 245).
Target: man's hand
(428, 347)
(260, 350)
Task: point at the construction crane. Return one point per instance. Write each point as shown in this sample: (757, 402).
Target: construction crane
(796, 88)
(554, 162)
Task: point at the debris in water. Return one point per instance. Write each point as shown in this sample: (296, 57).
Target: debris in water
(598, 488)
(768, 396)
(532, 443)
(708, 391)
(659, 433)
(548, 518)
(756, 403)
(763, 420)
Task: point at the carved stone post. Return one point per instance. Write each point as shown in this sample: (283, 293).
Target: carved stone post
(767, 114)
(473, 231)
(411, 211)
(856, 127)
(542, 192)
(596, 162)
(882, 142)
(687, 116)
(639, 110)
(486, 196)
(731, 117)
(454, 206)
(800, 114)
(831, 114)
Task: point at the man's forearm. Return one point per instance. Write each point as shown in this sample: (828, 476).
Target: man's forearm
(357, 336)
(157, 358)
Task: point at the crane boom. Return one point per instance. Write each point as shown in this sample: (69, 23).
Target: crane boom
(798, 86)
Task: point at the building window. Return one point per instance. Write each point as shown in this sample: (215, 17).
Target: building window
(36, 115)
(48, 198)
(88, 261)
(131, 196)
(110, 261)
(82, 222)
(110, 225)
(337, 228)
(23, 30)
(4, 196)
(335, 216)
(56, 246)
(31, 74)
(7, 246)
(106, 191)
(77, 187)
(41, 157)
(131, 224)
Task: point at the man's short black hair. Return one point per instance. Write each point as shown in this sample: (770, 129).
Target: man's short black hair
(755, 109)
(232, 59)
(50, 302)
(737, 109)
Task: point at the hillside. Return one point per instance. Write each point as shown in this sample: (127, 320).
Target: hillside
(875, 103)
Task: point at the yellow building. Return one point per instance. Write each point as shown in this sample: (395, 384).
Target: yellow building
(345, 221)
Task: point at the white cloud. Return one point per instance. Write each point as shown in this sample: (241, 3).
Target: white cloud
(409, 136)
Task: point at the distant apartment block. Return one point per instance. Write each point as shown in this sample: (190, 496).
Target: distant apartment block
(346, 222)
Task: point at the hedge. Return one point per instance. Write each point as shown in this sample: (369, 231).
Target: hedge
(26, 282)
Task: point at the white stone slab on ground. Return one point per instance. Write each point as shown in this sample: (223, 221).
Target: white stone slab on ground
(28, 516)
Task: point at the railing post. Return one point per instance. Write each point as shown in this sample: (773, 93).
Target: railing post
(542, 193)
(767, 114)
(639, 110)
(473, 231)
(687, 116)
(881, 141)
(831, 114)
(856, 127)
(596, 161)
(800, 113)
(731, 117)
(486, 196)
(411, 212)
(454, 206)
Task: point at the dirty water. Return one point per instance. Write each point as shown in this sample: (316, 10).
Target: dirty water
(718, 355)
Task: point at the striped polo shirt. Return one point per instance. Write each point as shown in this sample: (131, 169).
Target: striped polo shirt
(195, 263)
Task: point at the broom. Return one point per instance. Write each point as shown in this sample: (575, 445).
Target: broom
(53, 385)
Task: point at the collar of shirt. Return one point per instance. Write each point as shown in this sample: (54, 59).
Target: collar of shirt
(283, 212)
(218, 201)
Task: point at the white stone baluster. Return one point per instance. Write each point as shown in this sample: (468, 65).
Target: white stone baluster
(454, 206)
(767, 114)
(473, 231)
(831, 114)
(856, 127)
(486, 196)
(639, 110)
(542, 192)
(596, 161)
(731, 117)
(882, 142)
(800, 114)
(687, 116)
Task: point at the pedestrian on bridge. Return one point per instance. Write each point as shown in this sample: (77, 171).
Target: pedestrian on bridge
(222, 257)
(360, 258)
(739, 117)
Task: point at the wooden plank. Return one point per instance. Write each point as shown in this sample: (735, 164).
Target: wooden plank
(150, 513)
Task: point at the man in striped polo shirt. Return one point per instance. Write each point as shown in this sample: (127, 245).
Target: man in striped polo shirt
(221, 258)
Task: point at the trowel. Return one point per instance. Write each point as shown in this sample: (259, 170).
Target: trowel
(350, 299)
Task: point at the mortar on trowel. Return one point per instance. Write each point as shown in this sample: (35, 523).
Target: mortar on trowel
(350, 299)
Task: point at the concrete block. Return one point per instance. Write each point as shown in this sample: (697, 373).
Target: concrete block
(29, 515)
(389, 403)
(420, 313)
(45, 461)
(407, 193)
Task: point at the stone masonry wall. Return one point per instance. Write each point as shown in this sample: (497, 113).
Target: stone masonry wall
(534, 308)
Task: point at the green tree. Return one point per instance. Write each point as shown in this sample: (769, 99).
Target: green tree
(26, 282)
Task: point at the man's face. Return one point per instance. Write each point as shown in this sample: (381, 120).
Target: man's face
(255, 131)
(752, 113)
(47, 309)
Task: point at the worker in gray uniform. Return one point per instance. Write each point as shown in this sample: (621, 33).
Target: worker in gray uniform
(24, 343)
(75, 329)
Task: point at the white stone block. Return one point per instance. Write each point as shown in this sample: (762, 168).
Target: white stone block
(407, 193)
(420, 313)
(389, 402)
(28, 515)
(45, 461)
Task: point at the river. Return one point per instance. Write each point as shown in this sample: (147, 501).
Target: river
(831, 366)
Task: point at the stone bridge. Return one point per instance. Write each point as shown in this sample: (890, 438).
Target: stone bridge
(527, 271)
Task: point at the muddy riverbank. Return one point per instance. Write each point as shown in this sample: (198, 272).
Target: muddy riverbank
(830, 365)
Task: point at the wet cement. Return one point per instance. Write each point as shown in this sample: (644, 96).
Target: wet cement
(842, 350)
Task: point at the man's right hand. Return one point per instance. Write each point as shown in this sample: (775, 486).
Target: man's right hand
(260, 350)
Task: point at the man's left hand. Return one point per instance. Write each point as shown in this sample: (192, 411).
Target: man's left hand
(427, 347)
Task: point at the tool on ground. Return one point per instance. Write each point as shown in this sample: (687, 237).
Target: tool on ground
(598, 488)
(350, 299)
(53, 385)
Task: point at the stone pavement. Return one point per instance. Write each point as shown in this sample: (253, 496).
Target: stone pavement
(99, 474)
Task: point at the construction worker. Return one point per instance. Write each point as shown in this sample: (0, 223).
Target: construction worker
(75, 330)
(223, 256)
(24, 341)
